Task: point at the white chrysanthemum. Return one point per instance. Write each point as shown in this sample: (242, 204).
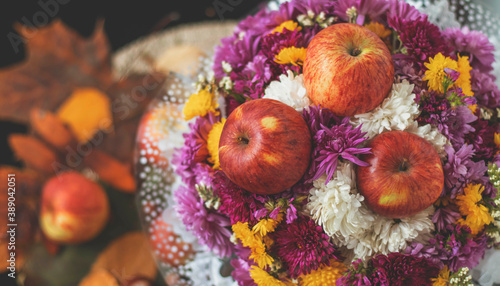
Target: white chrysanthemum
(396, 112)
(432, 135)
(337, 206)
(290, 90)
(388, 235)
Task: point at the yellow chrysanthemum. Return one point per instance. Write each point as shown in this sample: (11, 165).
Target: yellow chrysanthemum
(378, 29)
(213, 143)
(472, 108)
(289, 25)
(443, 277)
(262, 278)
(470, 205)
(265, 225)
(199, 104)
(291, 55)
(435, 73)
(242, 232)
(463, 80)
(497, 139)
(259, 254)
(326, 275)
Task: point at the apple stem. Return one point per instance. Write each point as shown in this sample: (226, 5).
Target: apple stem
(355, 52)
(404, 165)
(243, 140)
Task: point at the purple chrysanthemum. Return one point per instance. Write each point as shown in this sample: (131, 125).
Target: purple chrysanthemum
(400, 11)
(316, 6)
(422, 39)
(445, 215)
(403, 269)
(241, 272)
(302, 246)
(238, 204)
(367, 9)
(405, 69)
(195, 149)
(254, 78)
(266, 20)
(455, 123)
(209, 227)
(235, 51)
(360, 275)
(474, 44)
(315, 117)
(460, 170)
(431, 107)
(454, 247)
(485, 89)
(331, 144)
(272, 44)
(483, 140)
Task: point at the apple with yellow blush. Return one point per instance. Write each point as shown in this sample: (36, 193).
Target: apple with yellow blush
(404, 177)
(348, 69)
(265, 146)
(74, 209)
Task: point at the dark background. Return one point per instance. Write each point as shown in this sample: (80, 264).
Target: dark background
(125, 21)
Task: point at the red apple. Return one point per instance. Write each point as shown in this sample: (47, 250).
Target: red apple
(265, 146)
(74, 209)
(348, 69)
(405, 175)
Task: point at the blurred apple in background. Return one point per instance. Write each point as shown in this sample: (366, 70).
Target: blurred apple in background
(265, 146)
(74, 209)
(348, 69)
(405, 175)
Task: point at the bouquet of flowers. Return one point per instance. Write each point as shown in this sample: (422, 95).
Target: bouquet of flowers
(347, 142)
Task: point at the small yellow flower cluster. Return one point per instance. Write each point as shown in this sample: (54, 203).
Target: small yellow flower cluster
(291, 55)
(472, 206)
(497, 140)
(324, 276)
(262, 278)
(435, 74)
(378, 29)
(257, 240)
(443, 277)
(289, 25)
(213, 143)
(200, 104)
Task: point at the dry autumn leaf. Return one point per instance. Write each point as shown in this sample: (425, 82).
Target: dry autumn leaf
(50, 128)
(127, 256)
(101, 277)
(111, 171)
(28, 182)
(33, 152)
(57, 61)
(86, 111)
